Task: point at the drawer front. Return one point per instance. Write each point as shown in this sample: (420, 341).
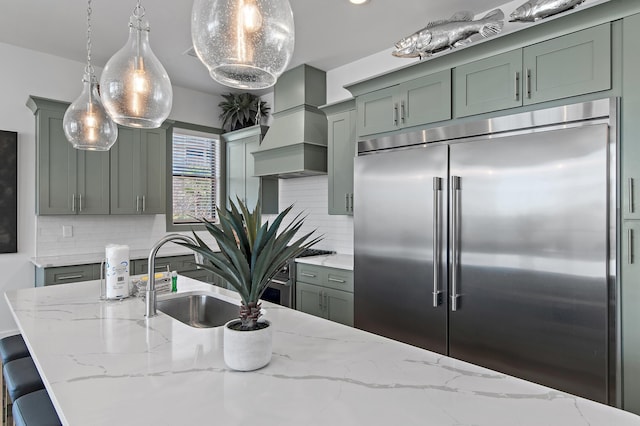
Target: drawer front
(183, 263)
(339, 279)
(198, 274)
(141, 266)
(71, 274)
(311, 274)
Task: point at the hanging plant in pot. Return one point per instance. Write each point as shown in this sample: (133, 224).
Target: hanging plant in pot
(251, 253)
(240, 110)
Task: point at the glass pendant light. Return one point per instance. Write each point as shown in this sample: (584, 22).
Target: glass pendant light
(136, 89)
(244, 43)
(86, 123)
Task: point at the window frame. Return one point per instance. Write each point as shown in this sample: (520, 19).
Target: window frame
(180, 125)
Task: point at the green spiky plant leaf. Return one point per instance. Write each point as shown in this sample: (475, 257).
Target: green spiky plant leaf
(239, 110)
(251, 252)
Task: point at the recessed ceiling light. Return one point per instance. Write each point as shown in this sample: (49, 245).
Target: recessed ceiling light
(359, 1)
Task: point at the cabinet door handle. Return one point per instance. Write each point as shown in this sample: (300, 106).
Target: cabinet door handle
(305, 274)
(70, 277)
(517, 87)
(326, 302)
(335, 280)
(137, 203)
(437, 253)
(455, 229)
(402, 112)
(320, 300)
(395, 114)
(631, 197)
(73, 202)
(528, 83)
(351, 198)
(80, 201)
(346, 201)
(144, 203)
(630, 246)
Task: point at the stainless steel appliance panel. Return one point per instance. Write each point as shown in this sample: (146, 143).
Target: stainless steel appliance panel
(400, 233)
(529, 253)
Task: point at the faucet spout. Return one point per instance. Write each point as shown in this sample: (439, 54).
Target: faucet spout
(150, 294)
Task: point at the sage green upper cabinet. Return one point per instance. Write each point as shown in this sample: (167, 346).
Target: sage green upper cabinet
(341, 120)
(488, 84)
(69, 181)
(138, 171)
(562, 67)
(415, 102)
(630, 131)
(241, 181)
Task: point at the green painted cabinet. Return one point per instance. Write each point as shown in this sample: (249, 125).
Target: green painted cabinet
(562, 67)
(415, 102)
(138, 171)
(325, 292)
(69, 181)
(67, 274)
(241, 181)
(629, 244)
(341, 120)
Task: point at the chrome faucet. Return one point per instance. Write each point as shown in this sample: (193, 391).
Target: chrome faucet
(150, 294)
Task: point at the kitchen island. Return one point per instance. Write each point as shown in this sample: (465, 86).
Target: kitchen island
(103, 363)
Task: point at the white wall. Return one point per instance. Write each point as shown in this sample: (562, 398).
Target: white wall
(25, 72)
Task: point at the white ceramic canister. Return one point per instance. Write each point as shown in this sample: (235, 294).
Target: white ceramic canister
(247, 350)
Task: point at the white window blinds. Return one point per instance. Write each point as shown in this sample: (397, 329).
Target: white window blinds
(195, 178)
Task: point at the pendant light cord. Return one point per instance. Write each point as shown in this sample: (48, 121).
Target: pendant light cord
(89, 68)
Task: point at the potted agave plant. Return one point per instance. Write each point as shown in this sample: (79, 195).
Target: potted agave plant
(250, 255)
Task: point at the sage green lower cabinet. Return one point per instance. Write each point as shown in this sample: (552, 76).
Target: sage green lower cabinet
(341, 152)
(67, 274)
(415, 102)
(629, 297)
(325, 292)
(69, 181)
(562, 67)
(138, 171)
(241, 181)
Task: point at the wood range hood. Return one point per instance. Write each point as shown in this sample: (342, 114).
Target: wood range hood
(296, 143)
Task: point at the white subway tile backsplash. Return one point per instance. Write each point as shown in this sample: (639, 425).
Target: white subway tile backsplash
(92, 233)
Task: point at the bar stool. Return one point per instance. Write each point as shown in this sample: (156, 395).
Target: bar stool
(35, 409)
(11, 348)
(21, 377)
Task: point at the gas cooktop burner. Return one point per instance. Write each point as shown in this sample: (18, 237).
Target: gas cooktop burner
(315, 252)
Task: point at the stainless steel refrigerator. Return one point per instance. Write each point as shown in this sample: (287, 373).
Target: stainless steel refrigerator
(494, 242)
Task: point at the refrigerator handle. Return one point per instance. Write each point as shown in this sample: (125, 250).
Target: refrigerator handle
(437, 243)
(455, 229)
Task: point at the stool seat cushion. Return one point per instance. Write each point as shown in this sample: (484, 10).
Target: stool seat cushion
(35, 409)
(13, 347)
(21, 377)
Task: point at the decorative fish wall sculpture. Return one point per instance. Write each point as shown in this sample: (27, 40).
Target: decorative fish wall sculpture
(453, 32)
(534, 10)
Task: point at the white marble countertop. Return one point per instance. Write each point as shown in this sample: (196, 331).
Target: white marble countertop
(88, 258)
(104, 364)
(339, 261)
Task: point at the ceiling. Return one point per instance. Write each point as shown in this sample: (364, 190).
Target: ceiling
(329, 33)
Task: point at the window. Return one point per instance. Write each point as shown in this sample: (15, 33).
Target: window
(195, 178)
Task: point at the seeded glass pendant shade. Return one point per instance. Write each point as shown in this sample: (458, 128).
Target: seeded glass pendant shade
(86, 123)
(135, 87)
(244, 43)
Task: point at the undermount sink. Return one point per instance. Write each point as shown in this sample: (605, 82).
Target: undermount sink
(198, 310)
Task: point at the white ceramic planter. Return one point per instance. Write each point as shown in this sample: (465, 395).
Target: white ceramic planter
(247, 350)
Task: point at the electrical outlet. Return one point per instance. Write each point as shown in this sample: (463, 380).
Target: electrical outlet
(67, 231)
